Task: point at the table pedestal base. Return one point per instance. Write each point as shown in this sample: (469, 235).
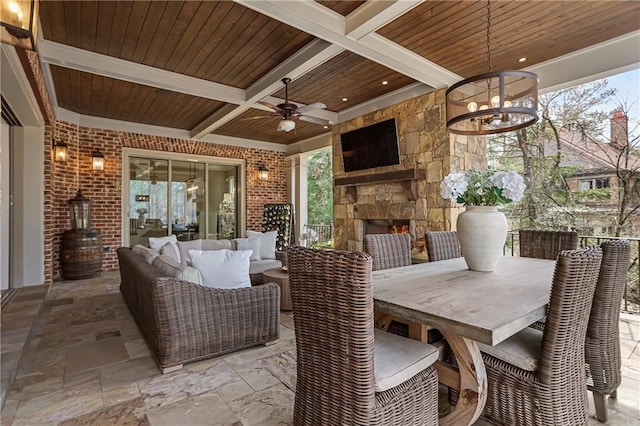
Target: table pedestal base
(470, 380)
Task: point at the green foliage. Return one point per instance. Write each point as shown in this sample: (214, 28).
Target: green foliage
(597, 195)
(320, 187)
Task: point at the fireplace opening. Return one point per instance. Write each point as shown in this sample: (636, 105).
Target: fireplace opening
(386, 226)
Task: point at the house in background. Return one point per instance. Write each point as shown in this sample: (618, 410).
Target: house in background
(596, 177)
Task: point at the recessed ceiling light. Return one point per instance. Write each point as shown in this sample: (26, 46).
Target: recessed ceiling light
(344, 99)
(326, 126)
(385, 82)
(523, 59)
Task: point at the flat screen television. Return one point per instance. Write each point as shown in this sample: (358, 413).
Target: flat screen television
(371, 146)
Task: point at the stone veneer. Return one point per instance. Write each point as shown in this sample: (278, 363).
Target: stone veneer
(424, 144)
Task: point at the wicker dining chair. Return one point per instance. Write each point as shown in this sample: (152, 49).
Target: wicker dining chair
(602, 347)
(442, 245)
(340, 365)
(537, 377)
(388, 250)
(543, 244)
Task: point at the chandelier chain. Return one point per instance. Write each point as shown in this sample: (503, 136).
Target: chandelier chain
(489, 64)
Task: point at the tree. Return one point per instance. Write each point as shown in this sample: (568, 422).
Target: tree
(320, 187)
(537, 151)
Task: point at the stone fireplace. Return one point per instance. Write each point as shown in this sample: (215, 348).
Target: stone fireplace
(407, 194)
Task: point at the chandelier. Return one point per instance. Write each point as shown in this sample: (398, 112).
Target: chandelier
(494, 102)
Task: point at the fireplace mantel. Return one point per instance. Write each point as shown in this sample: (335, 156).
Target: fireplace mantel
(410, 177)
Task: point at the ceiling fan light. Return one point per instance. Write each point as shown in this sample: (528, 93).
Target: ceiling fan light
(286, 125)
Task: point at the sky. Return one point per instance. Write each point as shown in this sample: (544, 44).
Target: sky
(628, 85)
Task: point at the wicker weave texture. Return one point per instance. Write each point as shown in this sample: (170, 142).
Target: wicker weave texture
(602, 347)
(333, 313)
(388, 250)
(442, 245)
(543, 244)
(555, 394)
(184, 322)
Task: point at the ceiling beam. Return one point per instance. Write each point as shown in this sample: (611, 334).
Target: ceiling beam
(373, 15)
(601, 60)
(321, 22)
(95, 63)
(223, 115)
(304, 60)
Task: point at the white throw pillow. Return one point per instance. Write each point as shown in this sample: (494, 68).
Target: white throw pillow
(252, 244)
(156, 243)
(267, 243)
(171, 250)
(222, 268)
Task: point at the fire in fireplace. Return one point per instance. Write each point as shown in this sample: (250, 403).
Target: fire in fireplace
(386, 226)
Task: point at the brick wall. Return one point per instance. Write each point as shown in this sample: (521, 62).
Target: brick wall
(104, 188)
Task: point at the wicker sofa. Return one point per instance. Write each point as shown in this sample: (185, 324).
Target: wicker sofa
(183, 322)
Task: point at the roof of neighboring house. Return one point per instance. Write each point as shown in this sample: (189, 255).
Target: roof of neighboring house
(591, 156)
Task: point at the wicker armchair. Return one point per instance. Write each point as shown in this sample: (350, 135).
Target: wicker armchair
(602, 347)
(388, 250)
(537, 377)
(339, 381)
(546, 244)
(442, 245)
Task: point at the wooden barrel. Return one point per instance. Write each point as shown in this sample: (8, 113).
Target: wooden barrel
(81, 254)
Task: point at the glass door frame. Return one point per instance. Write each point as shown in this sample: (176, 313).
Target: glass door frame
(240, 185)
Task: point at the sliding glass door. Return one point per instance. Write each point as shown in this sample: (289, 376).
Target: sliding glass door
(191, 198)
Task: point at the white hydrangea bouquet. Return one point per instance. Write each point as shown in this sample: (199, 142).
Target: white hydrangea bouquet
(483, 188)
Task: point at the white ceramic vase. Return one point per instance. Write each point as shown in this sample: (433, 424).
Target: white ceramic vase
(482, 231)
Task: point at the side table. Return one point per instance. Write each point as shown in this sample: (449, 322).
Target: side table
(280, 277)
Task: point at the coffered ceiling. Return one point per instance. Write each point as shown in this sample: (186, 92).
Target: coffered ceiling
(199, 69)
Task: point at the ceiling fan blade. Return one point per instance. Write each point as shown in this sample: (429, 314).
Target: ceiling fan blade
(310, 107)
(257, 117)
(313, 120)
(270, 105)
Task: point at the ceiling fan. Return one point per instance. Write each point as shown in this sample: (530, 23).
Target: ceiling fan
(288, 111)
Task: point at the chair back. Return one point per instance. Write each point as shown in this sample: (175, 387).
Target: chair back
(602, 350)
(388, 250)
(546, 244)
(442, 245)
(563, 340)
(333, 315)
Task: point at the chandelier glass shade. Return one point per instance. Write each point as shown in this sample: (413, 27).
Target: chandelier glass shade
(494, 102)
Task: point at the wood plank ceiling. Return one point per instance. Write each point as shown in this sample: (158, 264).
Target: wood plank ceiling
(231, 44)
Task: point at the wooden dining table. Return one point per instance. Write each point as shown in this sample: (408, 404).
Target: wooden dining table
(467, 307)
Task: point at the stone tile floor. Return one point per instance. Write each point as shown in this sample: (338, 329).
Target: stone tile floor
(86, 363)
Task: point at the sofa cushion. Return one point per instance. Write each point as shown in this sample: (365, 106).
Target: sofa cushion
(171, 250)
(252, 244)
(259, 266)
(222, 268)
(185, 246)
(267, 243)
(396, 359)
(145, 252)
(522, 349)
(156, 243)
(170, 268)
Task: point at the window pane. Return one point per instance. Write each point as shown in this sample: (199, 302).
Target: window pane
(223, 202)
(148, 195)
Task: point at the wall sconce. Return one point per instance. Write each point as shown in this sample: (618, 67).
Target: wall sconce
(60, 151)
(98, 160)
(263, 172)
(19, 21)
